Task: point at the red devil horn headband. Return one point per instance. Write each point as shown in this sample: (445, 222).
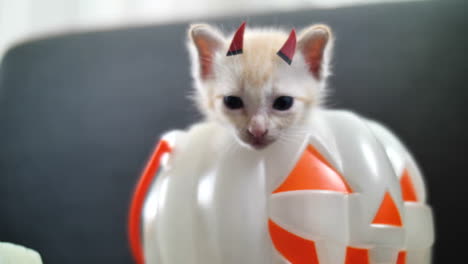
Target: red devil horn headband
(286, 52)
(237, 41)
(289, 47)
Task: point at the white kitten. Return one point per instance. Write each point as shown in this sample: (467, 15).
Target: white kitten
(257, 94)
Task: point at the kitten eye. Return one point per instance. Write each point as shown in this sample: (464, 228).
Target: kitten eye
(233, 102)
(283, 103)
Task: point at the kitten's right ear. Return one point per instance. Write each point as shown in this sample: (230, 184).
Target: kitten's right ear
(204, 42)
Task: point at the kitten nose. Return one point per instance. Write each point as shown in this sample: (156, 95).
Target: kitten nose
(258, 133)
(258, 127)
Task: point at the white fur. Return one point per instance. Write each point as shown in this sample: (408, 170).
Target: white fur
(258, 76)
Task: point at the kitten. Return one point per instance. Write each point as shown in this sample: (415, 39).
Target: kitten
(257, 94)
(335, 196)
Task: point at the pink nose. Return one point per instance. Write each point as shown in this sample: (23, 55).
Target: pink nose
(258, 134)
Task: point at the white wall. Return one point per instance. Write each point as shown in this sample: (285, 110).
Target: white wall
(25, 19)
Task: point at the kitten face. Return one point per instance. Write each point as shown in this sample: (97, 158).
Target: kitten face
(259, 96)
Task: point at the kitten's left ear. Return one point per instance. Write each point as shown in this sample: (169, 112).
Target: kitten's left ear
(204, 42)
(315, 45)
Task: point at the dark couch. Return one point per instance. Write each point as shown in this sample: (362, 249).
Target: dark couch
(79, 114)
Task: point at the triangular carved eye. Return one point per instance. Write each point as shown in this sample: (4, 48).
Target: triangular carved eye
(289, 48)
(237, 42)
(388, 213)
(314, 172)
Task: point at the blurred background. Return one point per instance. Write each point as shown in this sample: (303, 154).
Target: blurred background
(88, 86)
(25, 19)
